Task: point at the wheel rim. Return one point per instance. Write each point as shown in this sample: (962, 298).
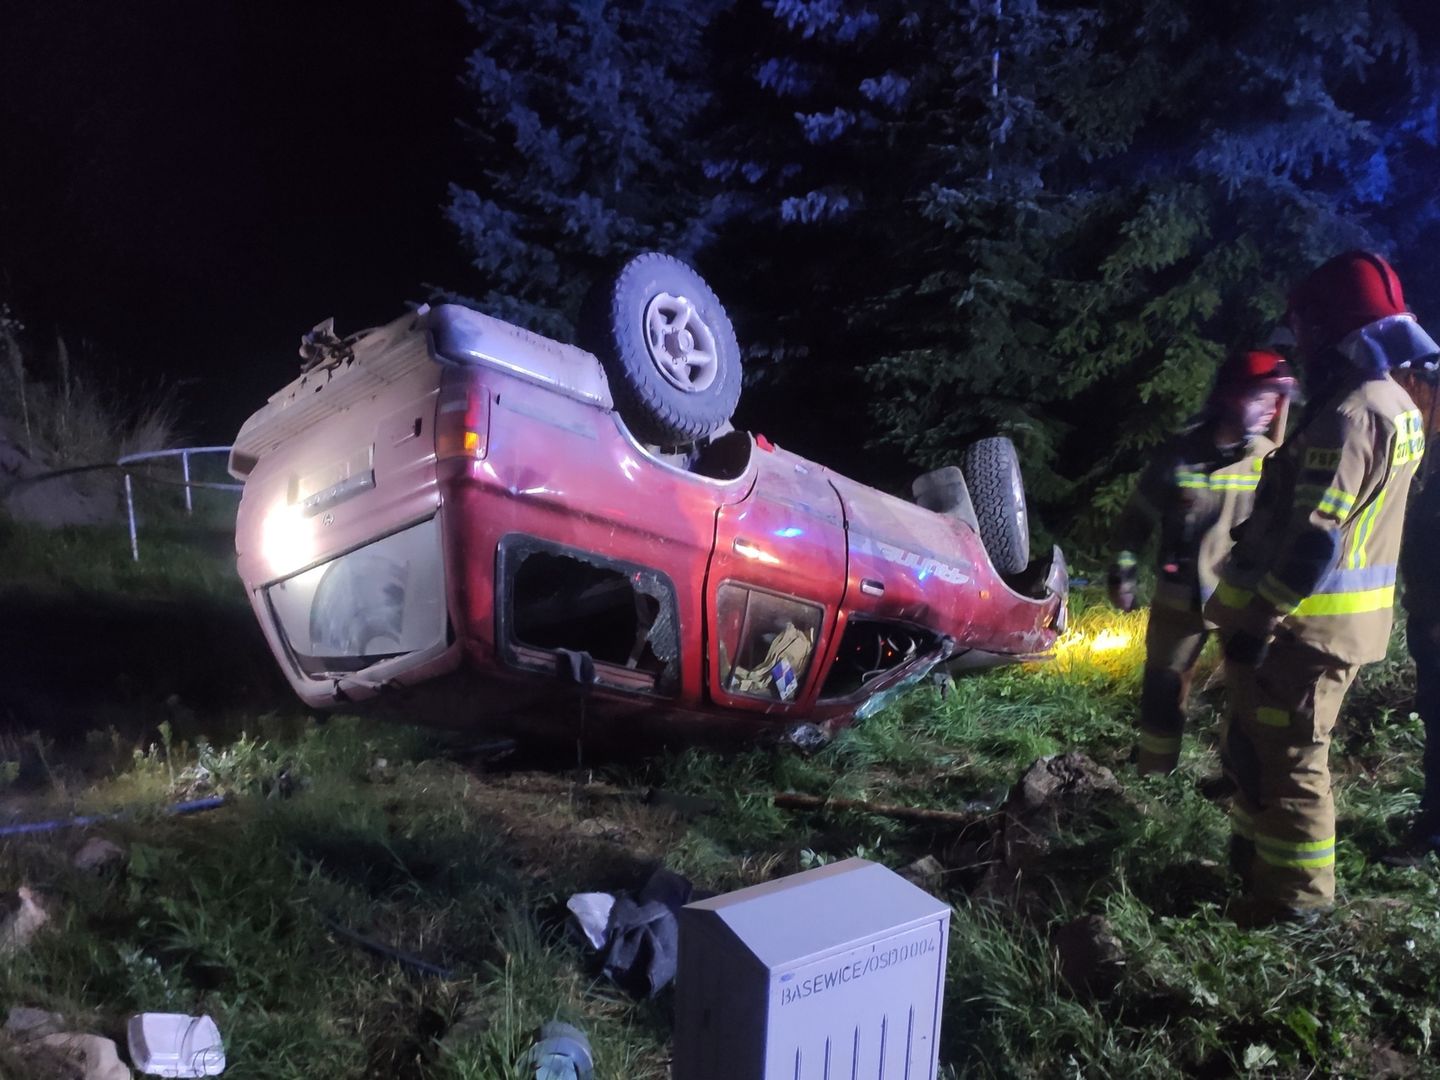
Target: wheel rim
(681, 346)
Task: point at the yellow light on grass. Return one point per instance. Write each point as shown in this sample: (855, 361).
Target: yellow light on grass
(1108, 639)
(1100, 643)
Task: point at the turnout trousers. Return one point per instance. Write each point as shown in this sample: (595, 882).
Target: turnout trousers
(1173, 641)
(1276, 750)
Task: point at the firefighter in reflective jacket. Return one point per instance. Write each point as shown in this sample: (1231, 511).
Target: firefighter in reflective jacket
(1308, 592)
(1197, 488)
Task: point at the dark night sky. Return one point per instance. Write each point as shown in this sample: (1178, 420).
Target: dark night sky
(189, 186)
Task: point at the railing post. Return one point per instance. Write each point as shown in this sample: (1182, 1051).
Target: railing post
(130, 515)
(185, 468)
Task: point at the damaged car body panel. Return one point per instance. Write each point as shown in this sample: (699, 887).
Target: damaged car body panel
(451, 502)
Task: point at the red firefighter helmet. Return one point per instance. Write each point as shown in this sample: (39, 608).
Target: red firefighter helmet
(1250, 371)
(1341, 296)
(1353, 306)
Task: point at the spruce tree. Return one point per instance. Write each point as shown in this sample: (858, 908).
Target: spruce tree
(586, 148)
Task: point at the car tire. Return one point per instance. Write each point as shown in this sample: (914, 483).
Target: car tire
(997, 491)
(668, 348)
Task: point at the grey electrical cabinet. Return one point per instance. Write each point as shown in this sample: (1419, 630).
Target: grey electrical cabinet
(834, 972)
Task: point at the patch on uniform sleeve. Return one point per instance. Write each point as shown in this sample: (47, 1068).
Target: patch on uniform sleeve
(1321, 459)
(1409, 437)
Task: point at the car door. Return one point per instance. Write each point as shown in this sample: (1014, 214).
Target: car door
(774, 586)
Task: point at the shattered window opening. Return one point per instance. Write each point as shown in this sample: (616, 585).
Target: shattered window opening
(623, 616)
(869, 649)
(766, 642)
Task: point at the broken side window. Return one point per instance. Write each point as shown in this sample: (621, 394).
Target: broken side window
(623, 615)
(766, 641)
(869, 649)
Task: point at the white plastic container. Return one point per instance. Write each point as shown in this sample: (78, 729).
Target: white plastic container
(173, 1044)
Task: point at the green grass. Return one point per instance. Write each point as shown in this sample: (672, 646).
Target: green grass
(227, 912)
(178, 560)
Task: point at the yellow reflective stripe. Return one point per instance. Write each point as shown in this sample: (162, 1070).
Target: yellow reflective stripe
(1328, 500)
(1272, 717)
(1302, 862)
(1125, 560)
(1234, 483)
(1280, 596)
(1198, 481)
(1347, 603)
(1299, 846)
(1363, 528)
(1159, 744)
(1311, 854)
(1232, 596)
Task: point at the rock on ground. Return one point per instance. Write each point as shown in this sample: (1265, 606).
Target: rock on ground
(97, 855)
(83, 1057)
(927, 873)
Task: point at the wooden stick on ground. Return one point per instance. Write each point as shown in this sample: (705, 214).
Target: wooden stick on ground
(793, 801)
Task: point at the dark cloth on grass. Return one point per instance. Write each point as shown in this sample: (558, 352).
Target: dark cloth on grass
(644, 936)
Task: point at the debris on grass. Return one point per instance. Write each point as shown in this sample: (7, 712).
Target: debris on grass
(790, 800)
(24, 918)
(75, 1056)
(642, 935)
(563, 1053)
(23, 1023)
(175, 1045)
(387, 951)
(592, 915)
(1059, 802)
(1053, 784)
(807, 738)
(97, 856)
(927, 873)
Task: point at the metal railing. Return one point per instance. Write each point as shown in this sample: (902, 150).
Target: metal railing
(184, 454)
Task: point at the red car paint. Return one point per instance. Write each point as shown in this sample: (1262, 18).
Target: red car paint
(515, 462)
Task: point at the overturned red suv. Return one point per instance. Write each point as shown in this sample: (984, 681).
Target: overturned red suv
(449, 502)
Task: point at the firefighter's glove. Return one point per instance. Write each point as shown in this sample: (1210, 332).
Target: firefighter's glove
(1246, 650)
(1122, 580)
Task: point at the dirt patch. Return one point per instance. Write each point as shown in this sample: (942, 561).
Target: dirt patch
(1089, 955)
(586, 837)
(1050, 839)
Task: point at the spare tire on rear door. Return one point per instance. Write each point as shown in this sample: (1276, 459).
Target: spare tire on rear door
(992, 473)
(669, 349)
